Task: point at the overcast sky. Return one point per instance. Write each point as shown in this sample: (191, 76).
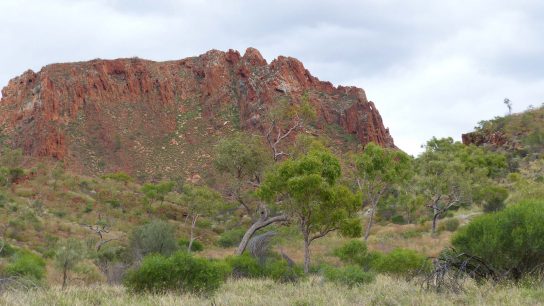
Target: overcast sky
(433, 68)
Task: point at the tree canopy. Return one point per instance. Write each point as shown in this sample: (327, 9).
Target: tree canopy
(308, 191)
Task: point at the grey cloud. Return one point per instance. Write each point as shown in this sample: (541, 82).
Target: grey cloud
(432, 67)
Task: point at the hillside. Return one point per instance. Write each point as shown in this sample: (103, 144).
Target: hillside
(162, 119)
(520, 134)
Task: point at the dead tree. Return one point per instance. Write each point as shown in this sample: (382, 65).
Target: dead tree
(275, 135)
(440, 204)
(259, 246)
(100, 228)
(450, 269)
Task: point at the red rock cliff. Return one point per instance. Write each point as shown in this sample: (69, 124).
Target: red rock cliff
(139, 115)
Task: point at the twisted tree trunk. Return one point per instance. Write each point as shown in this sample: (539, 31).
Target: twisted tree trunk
(262, 222)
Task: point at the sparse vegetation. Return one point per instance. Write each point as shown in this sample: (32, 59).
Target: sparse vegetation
(61, 229)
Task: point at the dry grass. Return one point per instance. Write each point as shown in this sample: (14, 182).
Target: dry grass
(384, 291)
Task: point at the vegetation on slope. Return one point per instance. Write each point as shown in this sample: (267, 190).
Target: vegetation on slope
(279, 213)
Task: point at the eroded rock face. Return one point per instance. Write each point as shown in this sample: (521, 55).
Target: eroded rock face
(149, 117)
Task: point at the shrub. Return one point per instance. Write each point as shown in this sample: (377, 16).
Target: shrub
(7, 249)
(231, 238)
(351, 275)
(244, 266)
(400, 262)
(353, 252)
(15, 174)
(119, 177)
(26, 264)
(275, 268)
(4, 176)
(450, 224)
(179, 272)
(351, 228)
(398, 219)
(197, 246)
(88, 208)
(280, 270)
(511, 239)
(154, 237)
(493, 199)
(114, 203)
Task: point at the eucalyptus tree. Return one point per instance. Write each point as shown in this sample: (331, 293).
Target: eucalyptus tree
(200, 202)
(377, 171)
(451, 174)
(242, 158)
(308, 192)
(69, 253)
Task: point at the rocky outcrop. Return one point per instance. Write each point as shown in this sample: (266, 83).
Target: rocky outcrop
(495, 139)
(150, 117)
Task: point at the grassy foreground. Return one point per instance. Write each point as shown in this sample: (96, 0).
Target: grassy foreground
(314, 291)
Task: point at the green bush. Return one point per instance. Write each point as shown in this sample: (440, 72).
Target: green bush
(509, 240)
(180, 272)
(275, 268)
(7, 249)
(154, 237)
(280, 270)
(450, 224)
(351, 275)
(244, 266)
(15, 174)
(493, 199)
(119, 177)
(353, 252)
(88, 208)
(398, 219)
(351, 228)
(26, 264)
(231, 238)
(400, 262)
(197, 246)
(114, 203)
(4, 176)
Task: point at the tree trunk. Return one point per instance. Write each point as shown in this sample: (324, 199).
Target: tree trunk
(370, 221)
(436, 214)
(263, 221)
(306, 253)
(64, 275)
(192, 238)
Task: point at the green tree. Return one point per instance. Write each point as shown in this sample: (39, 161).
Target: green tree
(283, 120)
(378, 170)
(308, 192)
(243, 158)
(200, 202)
(69, 253)
(450, 174)
(157, 192)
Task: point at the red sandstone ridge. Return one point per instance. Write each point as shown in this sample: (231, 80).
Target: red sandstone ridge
(159, 117)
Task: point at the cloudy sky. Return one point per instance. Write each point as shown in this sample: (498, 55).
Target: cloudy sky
(433, 68)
